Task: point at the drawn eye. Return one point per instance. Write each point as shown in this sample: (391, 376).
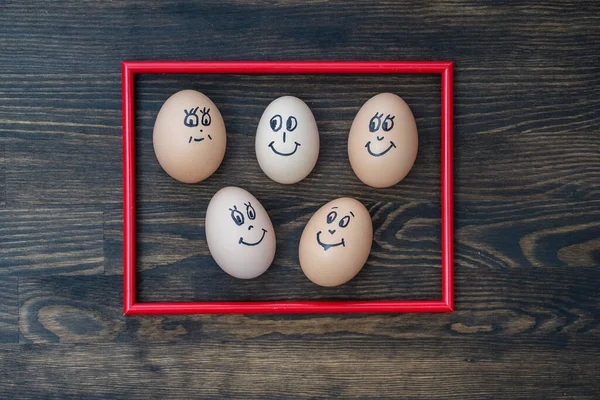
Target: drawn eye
(291, 123)
(206, 118)
(237, 216)
(388, 123)
(344, 221)
(375, 122)
(276, 123)
(331, 217)
(191, 119)
(250, 211)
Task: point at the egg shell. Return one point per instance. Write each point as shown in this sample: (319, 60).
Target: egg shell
(383, 158)
(287, 140)
(336, 242)
(187, 148)
(241, 242)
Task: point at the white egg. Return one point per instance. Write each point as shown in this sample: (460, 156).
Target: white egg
(239, 233)
(287, 140)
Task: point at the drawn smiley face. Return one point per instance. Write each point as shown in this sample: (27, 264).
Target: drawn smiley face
(336, 242)
(276, 124)
(189, 136)
(239, 233)
(192, 120)
(239, 219)
(383, 141)
(379, 128)
(333, 240)
(287, 140)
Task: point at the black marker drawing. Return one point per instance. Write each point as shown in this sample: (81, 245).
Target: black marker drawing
(327, 246)
(276, 124)
(388, 123)
(291, 124)
(191, 118)
(238, 218)
(374, 125)
(205, 116)
(241, 241)
(375, 122)
(279, 153)
(331, 217)
(250, 211)
(368, 146)
(344, 221)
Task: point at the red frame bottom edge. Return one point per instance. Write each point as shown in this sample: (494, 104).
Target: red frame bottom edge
(287, 307)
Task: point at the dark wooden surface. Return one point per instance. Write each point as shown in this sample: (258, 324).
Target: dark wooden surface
(527, 157)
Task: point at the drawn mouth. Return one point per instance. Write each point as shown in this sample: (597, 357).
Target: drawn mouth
(197, 139)
(283, 154)
(241, 241)
(328, 246)
(368, 146)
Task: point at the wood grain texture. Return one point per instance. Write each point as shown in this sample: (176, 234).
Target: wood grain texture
(527, 191)
(276, 367)
(51, 241)
(9, 309)
(528, 303)
(2, 177)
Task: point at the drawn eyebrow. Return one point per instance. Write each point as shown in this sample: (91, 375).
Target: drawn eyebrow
(333, 207)
(352, 213)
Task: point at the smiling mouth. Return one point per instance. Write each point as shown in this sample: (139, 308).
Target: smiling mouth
(283, 154)
(328, 246)
(368, 146)
(241, 241)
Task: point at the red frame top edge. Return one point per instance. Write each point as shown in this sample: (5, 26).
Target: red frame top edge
(288, 67)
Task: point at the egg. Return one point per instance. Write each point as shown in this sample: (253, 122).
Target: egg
(189, 136)
(239, 233)
(336, 242)
(383, 141)
(287, 140)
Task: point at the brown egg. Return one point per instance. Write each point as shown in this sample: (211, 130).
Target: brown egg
(336, 242)
(189, 136)
(383, 141)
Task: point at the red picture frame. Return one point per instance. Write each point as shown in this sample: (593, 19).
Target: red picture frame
(130, 68)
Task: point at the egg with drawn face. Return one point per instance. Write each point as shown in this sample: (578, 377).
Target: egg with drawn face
(189, 136)
(336, 242)
(287, 140)
(239, 233)
(383, 141)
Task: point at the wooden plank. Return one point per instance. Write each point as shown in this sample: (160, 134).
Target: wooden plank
(500, 302)
(51, 241)
(525, 234)
(2, 176)
(278, 367)
(532, 35)
(9, 309)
